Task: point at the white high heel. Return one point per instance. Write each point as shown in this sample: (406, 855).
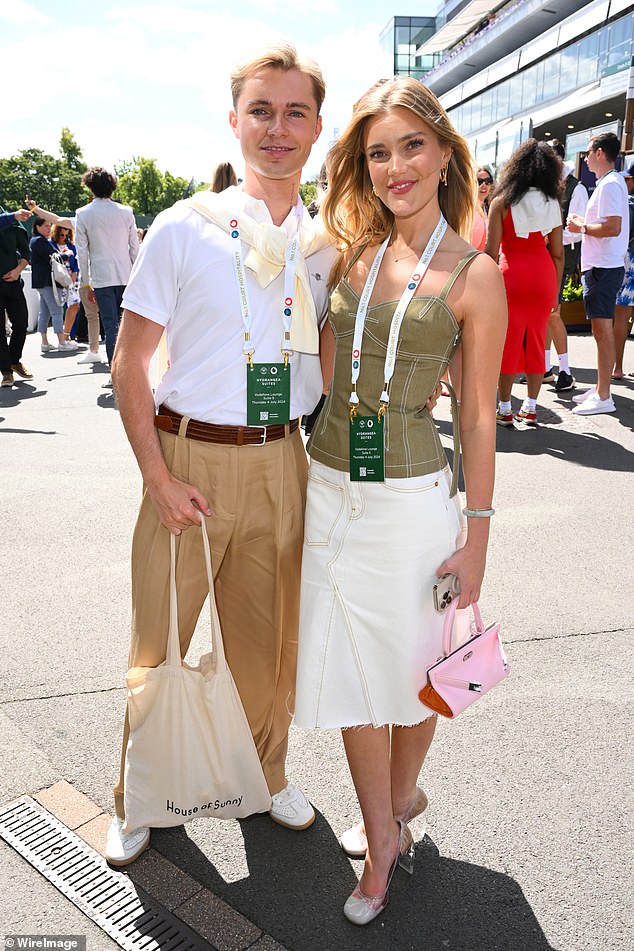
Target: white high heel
(360, 908)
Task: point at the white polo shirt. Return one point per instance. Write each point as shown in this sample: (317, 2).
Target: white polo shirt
(608, 200)
(184, 280)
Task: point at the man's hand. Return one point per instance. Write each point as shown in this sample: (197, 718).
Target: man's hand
(12, 275)
(178, 504)
(91, 296)
(21, 214)
(574, 223)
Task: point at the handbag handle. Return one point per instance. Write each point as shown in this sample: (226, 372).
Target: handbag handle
(173, 658)
(449, 619)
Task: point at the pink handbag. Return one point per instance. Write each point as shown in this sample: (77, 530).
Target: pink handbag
(463, 675)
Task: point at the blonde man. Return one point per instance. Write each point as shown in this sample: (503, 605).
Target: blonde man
(203, 452)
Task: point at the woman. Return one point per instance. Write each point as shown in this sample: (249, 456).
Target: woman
(41, 251)
(223, 177)
(524, 212)
(62, 240)
(484, 179)
(373, 549)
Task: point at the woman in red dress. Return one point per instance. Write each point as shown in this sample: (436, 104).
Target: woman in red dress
(525, 228)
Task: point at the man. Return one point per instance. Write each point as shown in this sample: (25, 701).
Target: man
(625, 298)
(574, 202)
(14, 257)
(605, 235)
(6, 220)
(107, 244)
(220, 282)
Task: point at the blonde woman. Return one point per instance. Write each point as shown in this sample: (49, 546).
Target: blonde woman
(399, 204)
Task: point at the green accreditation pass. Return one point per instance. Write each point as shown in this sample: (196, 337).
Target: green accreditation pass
(268, 394)
(367, 449)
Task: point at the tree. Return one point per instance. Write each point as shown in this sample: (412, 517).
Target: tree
(71, 152)
(145, 188)
(48, 180)
(308, 192)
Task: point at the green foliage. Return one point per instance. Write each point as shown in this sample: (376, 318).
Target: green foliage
(48, 180)
(572, 291)
(308, 192)
(145, 188)
(71, 152)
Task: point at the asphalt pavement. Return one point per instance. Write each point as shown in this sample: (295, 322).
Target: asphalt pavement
(529, 839)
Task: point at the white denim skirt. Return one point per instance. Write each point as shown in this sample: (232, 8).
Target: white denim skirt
(368, 628)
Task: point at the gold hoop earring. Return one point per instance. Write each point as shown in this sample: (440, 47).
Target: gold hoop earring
(443, 175)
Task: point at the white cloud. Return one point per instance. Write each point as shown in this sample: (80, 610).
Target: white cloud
(22, 14)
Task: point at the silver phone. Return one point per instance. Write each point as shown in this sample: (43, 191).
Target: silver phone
(445, 589)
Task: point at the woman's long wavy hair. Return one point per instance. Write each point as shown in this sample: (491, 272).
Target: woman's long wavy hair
(533, 165)
(350, 211)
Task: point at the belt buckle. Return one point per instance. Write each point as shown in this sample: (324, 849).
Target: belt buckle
(264, 432)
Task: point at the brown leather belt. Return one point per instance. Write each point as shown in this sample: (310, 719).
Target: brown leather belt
(170, 422)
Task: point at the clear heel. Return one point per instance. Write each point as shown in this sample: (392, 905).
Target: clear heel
(406, 852)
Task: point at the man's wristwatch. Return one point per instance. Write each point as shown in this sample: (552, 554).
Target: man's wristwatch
(583, 229)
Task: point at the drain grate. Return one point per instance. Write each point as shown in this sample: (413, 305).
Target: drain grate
(123, 910)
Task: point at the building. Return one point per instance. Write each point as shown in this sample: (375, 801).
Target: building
(532, 68)
(400, 40)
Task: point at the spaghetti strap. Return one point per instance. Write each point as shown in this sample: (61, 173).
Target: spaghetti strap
(357, 254)
(457, 271)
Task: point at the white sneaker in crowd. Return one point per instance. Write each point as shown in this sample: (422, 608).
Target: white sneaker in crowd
(124, 847)
(48, 346)
(291, 808)
(595, 405)
(90, 357)
(581, 397)
(67, 345)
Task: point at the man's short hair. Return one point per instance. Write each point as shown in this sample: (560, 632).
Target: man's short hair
(283, 56)
(609, 143)
(101, 182)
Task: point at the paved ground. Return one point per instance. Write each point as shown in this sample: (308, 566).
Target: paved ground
(529, 843)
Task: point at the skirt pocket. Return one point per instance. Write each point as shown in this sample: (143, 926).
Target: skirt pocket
(325, 502)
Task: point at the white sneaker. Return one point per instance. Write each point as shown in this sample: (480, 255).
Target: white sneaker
(581, 397)
(123, 848)
(90, 357)
(48, 346)
(291, 808)
(594, 405)
(107, 385)
(68, 345)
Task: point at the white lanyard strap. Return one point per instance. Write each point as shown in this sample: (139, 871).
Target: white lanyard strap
(397, 319)
(290, 269)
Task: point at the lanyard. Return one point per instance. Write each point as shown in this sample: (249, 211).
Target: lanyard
(397, 319)
(292, 251)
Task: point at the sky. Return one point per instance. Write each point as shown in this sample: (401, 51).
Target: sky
(150, 79)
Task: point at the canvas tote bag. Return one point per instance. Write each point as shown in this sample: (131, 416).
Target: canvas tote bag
(190, 753)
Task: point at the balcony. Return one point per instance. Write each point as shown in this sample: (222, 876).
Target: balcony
(511, 30)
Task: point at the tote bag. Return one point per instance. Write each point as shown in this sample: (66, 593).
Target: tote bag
(190, 753)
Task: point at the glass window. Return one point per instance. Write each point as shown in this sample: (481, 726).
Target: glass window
(568, 68)
(588, 59)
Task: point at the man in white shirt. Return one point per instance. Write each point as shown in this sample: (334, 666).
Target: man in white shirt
(238, 281)
(605, 236)
(107, 245)
(574, 202)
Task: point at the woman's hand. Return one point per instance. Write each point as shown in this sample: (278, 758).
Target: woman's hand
(468, 566)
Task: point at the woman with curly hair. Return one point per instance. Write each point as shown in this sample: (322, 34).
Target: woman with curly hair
(62, 239)
(524, 213)
(382, 524)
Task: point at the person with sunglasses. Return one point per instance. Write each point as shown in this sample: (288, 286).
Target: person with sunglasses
(62, 239)
(480, 225)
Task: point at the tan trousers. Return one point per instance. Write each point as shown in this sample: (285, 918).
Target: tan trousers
(92, 319)
(257, 495)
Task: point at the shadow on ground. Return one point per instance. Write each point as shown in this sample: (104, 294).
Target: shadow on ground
(297, 885)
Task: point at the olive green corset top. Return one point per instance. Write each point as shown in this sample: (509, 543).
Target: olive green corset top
(428, 339)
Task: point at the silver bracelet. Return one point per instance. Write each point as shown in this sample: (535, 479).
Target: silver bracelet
(478, 513)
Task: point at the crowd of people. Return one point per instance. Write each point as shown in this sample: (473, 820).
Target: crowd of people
(366, 305)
